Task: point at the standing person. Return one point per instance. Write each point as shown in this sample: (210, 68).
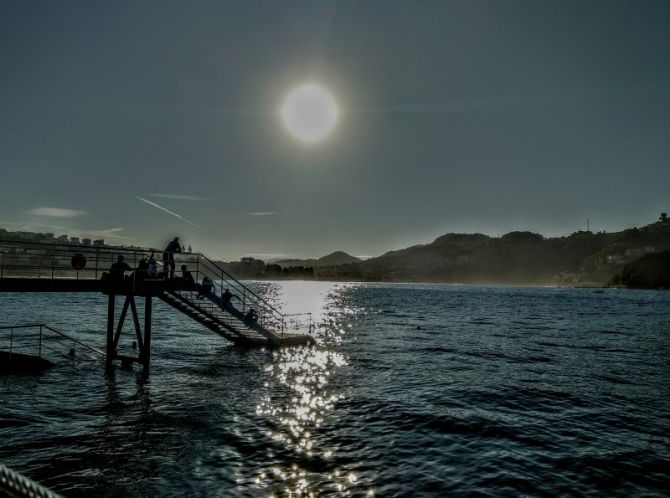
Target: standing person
(168, 255)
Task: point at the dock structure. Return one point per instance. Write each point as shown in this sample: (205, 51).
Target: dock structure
(245, 318)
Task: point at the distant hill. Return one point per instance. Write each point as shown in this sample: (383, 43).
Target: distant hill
(332, 259)
(583, 258)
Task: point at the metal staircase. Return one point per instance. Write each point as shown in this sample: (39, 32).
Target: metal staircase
(225, 321)
(228, 319)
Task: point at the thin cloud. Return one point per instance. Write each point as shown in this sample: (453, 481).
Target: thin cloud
(53, 212)
(109, 233)
(181, 197)
(262, 213)
(167, 211)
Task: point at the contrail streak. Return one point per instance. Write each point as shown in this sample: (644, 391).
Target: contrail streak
(167, 211)
(181, 197)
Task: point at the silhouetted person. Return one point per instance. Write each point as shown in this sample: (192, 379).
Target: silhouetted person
(168, 255)
(152, 267)
(141, 271)
(226, 296)
(206, 287)
(118, 269)
(187, 276)
(251, 316)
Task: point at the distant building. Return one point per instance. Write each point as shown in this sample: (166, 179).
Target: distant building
(633, 252)
(62, 238)
(272, 270)
(616, 259)
(99, 242)
(75, 241)
(86, 242)
(28, 236)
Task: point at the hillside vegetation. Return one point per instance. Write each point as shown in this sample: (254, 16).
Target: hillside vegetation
(583, 258)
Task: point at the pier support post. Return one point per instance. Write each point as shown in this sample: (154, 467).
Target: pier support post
(147, 333)
(111, 353)
(143, 336)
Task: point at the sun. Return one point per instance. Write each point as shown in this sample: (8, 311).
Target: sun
(309, 113)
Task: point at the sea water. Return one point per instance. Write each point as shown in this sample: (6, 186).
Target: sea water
(412, 390)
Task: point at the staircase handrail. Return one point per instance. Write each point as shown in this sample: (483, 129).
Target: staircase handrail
(249, 290)
(44, 325)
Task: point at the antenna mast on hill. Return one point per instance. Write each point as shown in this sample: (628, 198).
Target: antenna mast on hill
(588, 224)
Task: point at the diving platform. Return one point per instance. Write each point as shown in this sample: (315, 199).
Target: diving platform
(224, 305)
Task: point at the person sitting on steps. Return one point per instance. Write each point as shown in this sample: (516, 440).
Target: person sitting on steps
(206, 287)
(186, 274)
(226, 296)
(251, 316)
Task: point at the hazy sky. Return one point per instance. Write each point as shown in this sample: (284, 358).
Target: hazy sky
(467, 116)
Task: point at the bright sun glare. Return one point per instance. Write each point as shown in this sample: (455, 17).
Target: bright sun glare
(309, 113)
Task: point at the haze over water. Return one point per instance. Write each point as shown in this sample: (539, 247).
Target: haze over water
(502, 391)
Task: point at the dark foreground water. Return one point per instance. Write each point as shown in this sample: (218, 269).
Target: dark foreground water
(501, 392)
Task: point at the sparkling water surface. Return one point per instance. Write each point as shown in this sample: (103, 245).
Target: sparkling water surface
(412, 390)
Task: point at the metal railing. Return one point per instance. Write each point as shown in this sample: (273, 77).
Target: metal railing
(40, 339)
(27, 259)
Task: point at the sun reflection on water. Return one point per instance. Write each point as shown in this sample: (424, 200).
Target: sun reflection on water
(298, 401)
(296, 418)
